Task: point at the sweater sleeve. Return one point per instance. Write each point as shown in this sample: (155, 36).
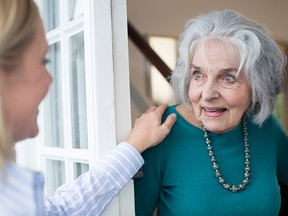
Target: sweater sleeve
(91, 192)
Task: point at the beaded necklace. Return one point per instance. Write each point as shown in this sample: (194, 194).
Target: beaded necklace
(215, 166)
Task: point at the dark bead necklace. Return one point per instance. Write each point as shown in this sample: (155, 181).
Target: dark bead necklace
(215, 166)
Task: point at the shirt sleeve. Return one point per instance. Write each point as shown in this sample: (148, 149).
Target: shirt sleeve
(91, 192)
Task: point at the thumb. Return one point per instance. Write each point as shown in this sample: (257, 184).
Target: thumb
(169, 122)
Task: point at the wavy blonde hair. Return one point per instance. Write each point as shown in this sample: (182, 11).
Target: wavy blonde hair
(17, 27)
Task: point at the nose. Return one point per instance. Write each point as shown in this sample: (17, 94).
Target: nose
(210, 90)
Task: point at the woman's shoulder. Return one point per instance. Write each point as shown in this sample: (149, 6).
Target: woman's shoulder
(21, 183)
(270, 126)
(273, 123)
(181, 132)
(13, 173)
(171, 109)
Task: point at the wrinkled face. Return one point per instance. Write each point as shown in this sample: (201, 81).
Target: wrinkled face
(24, 87)
(219, 98)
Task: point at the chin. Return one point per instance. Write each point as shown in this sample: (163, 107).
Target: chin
(213, 127)
(214, 130)
(34, 132)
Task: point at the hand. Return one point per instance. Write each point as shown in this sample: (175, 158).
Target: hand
(148, 130)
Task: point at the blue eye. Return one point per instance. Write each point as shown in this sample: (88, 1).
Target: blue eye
(197, 75)
(229, 79)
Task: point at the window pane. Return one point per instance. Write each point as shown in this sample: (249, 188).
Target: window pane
(79, 168)
(75, 9)
(78, 92)
(51, 14)
(53, 104)
(55, 175)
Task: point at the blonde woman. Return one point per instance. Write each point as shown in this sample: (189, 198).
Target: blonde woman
(24, 82)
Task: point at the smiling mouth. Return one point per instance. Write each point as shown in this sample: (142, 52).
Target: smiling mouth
(213, 112)
(214, 109)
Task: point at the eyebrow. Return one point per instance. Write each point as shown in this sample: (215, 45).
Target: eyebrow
(224, 70)
(194, 66)
(228, 70)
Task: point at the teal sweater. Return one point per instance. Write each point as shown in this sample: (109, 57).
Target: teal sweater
(179, 179)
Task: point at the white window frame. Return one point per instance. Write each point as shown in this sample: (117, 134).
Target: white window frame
(107, 91)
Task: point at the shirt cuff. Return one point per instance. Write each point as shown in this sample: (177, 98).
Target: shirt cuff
(121, 164)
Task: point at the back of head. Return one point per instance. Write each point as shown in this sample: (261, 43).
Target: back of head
(17, 26)
(261, 60)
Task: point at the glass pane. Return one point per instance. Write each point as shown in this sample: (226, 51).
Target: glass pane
(78, 92)
(279, 109)
(55, 175)
(51, 14)
(75, 9)
(53, 104)
(79, 168)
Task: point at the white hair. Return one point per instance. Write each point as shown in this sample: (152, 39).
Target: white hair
(261, 60)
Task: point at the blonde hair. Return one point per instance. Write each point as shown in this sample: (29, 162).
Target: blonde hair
(17, 27)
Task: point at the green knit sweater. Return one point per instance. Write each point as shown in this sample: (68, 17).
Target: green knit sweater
(179, 179)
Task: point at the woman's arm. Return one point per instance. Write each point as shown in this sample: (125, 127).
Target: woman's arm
(94, 190)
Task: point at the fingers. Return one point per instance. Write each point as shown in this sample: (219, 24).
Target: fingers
(169, 122)
(158, 109)
(171, 119)
(151, 109)
(161, 109)
(148, 130)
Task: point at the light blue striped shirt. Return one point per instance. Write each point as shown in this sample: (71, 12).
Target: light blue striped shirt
(21, 191)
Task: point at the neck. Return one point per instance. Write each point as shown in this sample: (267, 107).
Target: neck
(188, 115)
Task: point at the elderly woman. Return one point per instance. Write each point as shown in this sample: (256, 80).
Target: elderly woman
(226, 152)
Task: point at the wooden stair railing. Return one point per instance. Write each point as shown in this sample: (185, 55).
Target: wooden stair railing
(148, 52)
